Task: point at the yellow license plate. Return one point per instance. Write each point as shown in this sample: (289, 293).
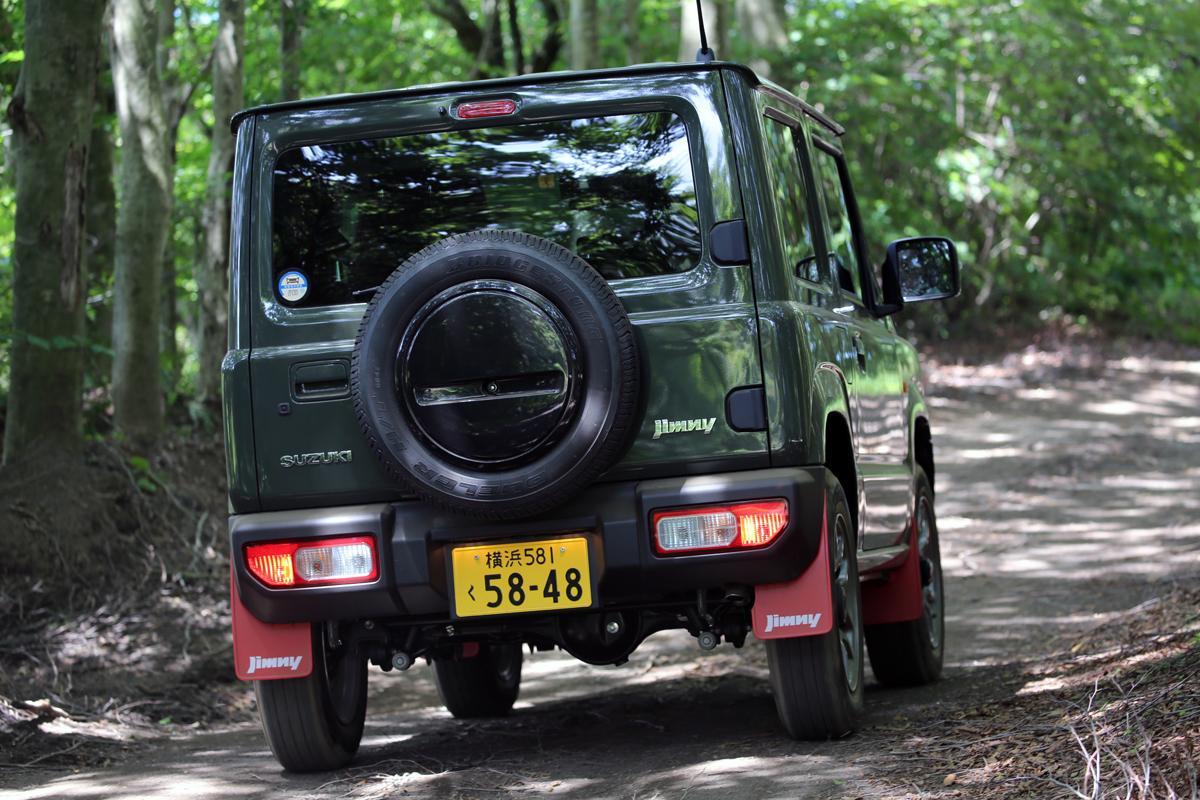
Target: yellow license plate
(519, 577)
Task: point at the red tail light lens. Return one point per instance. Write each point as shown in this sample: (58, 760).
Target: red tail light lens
(485, 108)
(726, 527)
(346, 559)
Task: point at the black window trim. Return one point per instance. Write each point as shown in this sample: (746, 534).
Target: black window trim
(857, 233)
(795, 126)
(816, 230)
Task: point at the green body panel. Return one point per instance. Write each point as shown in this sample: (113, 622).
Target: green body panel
(823, 353)
(818, 353)
(697, 331)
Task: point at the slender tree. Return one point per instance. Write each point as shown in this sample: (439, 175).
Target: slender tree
(291, 30)
(585, 41)
(716, 28)
(142, 220)
(552, 42)
(100, 240)
(490, 62)
(474, 39)
(177, 99)
(514, 32)
(212, 270)
(629, 29)
(762, 24)
(51, 118)
(168, 70)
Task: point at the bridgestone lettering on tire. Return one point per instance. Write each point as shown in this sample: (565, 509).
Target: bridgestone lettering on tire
(481, 416)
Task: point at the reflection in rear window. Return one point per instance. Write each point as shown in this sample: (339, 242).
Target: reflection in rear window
(618, 191)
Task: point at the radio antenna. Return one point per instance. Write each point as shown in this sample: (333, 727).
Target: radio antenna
(705, 54)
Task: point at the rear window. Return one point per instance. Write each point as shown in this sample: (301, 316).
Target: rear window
(618, 191)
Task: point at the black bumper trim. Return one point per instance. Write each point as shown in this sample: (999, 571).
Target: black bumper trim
(413, 538)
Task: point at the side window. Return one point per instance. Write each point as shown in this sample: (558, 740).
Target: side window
(843, 262)
(788, 187)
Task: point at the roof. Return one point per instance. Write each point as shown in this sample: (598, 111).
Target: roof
(537, 78)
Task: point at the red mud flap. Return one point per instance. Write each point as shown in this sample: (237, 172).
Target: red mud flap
(263, 652)
(898, 597)
(802, 606)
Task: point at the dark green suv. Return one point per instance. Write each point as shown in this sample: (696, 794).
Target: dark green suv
(561, 361)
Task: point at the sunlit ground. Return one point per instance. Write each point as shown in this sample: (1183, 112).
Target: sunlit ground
(1068, 494)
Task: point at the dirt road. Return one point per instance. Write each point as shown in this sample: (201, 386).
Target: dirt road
(1068, 499)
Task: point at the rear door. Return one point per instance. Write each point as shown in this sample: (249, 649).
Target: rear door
(879, 385)
(631, 178)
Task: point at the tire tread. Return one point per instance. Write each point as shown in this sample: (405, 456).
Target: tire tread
(612, 444)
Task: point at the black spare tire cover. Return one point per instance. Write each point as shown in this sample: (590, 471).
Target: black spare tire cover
(495, 373)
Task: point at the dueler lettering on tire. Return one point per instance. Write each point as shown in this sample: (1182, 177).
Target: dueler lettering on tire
(495, 373)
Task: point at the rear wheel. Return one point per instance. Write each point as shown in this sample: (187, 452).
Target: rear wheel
(485, 685)
(910, 653)
(315, 723)
(818, 680)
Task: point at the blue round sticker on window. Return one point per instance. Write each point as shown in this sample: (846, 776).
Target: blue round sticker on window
(293, 286)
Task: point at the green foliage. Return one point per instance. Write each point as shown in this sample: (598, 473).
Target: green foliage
(1055, 140)
(11, 56)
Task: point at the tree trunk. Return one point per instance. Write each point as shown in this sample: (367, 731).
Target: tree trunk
(514, 30)
(689, 28)
(212, 272)
(98, 251)
(51, 119)
(489, 62)
(168, 64)
(142, 221)
(291, 29)
(547, 53)
(630, 30)
(585, 44)
(762, 24)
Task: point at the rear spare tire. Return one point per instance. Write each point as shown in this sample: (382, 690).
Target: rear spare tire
(495, 374)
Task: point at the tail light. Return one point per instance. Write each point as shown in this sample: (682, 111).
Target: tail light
(726, 527)
(346, 559)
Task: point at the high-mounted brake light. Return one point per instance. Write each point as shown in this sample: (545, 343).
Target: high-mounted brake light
(485, 108)
(346, 559)
(726, 527)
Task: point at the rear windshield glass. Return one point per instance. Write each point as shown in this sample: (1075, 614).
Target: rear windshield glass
(618, 191)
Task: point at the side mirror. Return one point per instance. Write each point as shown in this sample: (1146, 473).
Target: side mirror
(919, 269)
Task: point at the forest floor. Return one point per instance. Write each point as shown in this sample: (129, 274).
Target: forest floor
(1069, 510)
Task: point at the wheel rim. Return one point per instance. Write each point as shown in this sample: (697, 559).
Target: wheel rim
(849, 613)
(931, 573)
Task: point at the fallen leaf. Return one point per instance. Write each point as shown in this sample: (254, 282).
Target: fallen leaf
(949, 779)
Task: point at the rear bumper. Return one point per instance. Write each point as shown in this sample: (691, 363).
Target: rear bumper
(413, 539)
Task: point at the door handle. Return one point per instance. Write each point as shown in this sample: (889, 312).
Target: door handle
(322, 380)
(861, 350)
